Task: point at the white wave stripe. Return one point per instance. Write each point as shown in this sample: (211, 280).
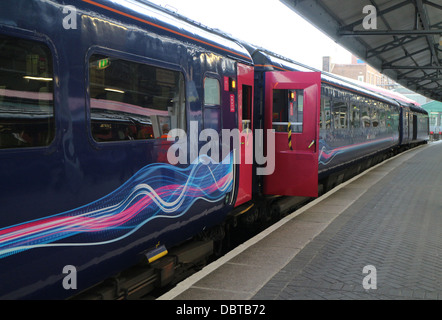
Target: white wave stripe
(81, 244)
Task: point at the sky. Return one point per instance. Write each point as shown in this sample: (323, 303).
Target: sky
(266, 23)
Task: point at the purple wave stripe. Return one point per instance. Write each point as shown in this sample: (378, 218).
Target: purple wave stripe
(327, 154)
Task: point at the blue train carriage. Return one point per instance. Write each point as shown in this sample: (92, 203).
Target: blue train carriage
(88, 93)
(354, 127)
(413, 119)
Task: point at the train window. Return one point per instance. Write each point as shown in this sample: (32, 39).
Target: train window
(340, 118)
(288, 108)
(133, 101)
(212, 92)
(26, 94)
(325, 118)
(212, 102)
(374, 117)
(296, 111)
(382, 118)
(246, 107)
(365, 117)
(355, 120)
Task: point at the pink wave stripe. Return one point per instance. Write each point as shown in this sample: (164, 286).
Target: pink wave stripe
(93, 224)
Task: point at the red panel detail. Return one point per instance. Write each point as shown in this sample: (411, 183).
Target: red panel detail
(245, 78)
(226, 83)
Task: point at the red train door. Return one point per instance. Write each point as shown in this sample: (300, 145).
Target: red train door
(245, 125)
(292, 106)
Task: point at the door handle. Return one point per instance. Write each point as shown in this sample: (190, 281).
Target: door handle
(311, 144)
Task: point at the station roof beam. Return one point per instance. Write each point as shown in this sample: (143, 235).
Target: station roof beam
(406, 44)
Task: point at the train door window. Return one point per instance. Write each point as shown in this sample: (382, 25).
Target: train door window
(288, 108)
(296, 111)
(212, 102)
(246, 107)
(26, 93)
(212, 93)
(414, 126)
(133, 101)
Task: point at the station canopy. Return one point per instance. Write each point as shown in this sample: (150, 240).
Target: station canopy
(404, 41)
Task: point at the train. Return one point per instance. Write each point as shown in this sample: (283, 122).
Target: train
(132, 138)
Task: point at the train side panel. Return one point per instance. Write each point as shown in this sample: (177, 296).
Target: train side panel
(85, 113)
(354, 127)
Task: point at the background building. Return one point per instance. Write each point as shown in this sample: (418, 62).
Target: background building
(361, 71)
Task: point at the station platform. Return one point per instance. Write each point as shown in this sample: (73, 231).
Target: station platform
(376, 236)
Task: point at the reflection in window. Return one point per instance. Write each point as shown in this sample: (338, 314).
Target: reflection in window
(365, 117)
(26, 94)
(374, 118)
(356, 122)
(133, 101)
(325, 117)
(340, 115)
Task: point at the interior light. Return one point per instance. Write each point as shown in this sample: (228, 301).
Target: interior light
(37, 78)
(114, 90)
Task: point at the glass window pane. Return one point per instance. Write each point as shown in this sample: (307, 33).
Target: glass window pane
(288, 107)
(134, 101)
(26, 94)
(211, 92)
(355, 116)
(340, 120)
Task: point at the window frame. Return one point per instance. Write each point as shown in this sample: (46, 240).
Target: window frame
(218, 108)
(215, 78)
(43, 40)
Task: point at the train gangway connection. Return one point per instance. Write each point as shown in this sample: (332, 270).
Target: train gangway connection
(376, 236)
